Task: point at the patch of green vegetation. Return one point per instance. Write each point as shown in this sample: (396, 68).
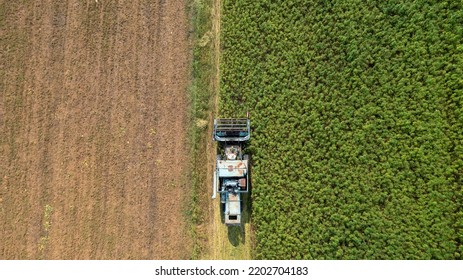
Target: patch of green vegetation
(357, 125)
(43, 242)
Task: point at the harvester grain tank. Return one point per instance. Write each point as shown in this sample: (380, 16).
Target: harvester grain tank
(231, 175)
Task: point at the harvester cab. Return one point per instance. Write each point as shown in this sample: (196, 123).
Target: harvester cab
(231, 175)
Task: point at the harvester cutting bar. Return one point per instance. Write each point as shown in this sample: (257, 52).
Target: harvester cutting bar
(231, 129)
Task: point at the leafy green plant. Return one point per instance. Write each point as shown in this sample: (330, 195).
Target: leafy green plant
(357, 119)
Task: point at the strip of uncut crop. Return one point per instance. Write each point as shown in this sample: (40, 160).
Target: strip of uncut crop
(356, 110)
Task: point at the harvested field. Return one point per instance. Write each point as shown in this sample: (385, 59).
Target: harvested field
(93, 128)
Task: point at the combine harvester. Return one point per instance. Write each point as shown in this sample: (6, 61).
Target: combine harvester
(231, 175)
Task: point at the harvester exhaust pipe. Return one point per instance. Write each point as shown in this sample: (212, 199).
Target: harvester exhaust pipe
(214, 186)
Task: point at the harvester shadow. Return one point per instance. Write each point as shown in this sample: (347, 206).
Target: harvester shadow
(235, 235)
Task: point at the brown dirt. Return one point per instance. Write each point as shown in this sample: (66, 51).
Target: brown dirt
(93, 127)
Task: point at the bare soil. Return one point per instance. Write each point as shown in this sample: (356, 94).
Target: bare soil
(93, 121)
